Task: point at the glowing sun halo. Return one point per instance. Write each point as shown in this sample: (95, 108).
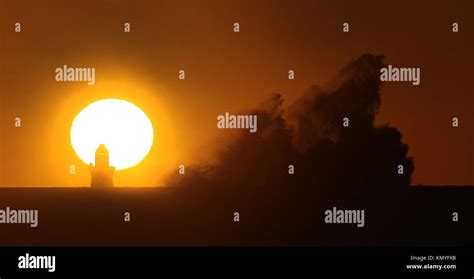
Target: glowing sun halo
(123, 127)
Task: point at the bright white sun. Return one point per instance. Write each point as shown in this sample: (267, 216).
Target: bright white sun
(123, 127)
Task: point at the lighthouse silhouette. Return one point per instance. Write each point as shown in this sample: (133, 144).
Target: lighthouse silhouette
(101, 174)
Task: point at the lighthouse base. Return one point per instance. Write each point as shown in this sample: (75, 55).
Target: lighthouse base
(102, 177)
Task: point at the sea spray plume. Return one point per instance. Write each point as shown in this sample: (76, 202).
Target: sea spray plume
(311, 136)
(354, 93)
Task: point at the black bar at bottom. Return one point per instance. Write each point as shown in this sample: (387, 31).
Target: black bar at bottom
(88, 262)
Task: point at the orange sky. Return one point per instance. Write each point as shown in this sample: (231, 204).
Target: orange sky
(225, 71)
